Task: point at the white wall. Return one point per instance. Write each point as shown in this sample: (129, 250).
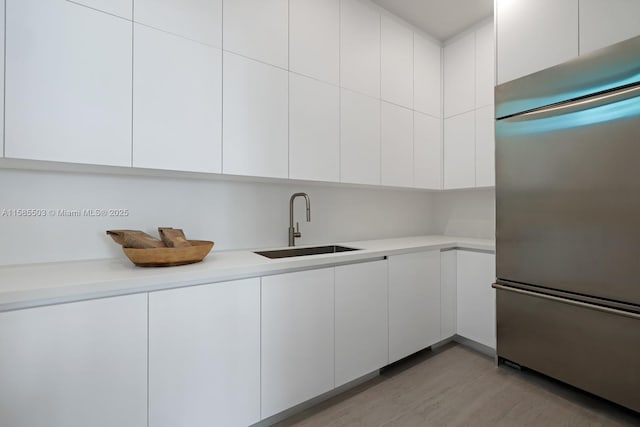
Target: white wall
(468, 213)
(233, 214)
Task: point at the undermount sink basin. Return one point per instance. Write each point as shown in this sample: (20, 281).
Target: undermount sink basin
(315, 250)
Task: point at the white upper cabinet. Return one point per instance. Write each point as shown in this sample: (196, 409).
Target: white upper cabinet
(485, 65)
(427, 71)
(68, 84)
(535, 34)
(258, 29)
(359, 138)
(122, 8)
(199, 20)
(314, 130)
(204, 355)
(361, 320)
(397, 62)
(459, 76)
(177, 103)
(255, 121)
(459, 151)
(360, 47)
(314, 39)
(77, 364)
(485, 147)
(603, 23)
(397, 146)
(427, 151)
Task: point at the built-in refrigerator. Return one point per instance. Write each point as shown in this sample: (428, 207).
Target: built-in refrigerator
(568, 222)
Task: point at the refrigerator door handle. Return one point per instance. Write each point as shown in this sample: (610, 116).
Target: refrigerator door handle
(568, 301)
(578, 104)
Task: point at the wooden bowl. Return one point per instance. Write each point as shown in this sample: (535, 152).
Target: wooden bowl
(166, 257)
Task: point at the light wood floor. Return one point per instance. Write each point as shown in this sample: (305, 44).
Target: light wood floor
(455, 386)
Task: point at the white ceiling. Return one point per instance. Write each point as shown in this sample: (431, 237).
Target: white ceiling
(441, 19)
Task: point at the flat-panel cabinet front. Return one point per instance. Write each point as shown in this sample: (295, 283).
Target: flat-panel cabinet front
(459, 76)
(427, 151)
(204, 355)
(75, 365)
(361, 320)
(534, 34)
(460, 151)
(297, 338)
(414, 303)
(68, 83)
(603, 23)
(314, 129)
(396, 62)
(359, 138)
(177, 103)
(257, 29)
(255, 119)
(360, 47)
(476, 311)
(396, 146)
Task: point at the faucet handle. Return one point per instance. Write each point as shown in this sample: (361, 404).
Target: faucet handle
(297, 232)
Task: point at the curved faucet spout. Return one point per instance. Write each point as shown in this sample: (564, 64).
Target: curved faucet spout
(295, 232)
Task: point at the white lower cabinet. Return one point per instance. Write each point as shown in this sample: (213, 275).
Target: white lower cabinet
(75, 365)
(204, 355)
(297, 338)
(361, 324)
(414, 303)
(448, 294)
(476, 311)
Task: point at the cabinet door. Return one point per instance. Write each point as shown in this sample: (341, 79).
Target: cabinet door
(75, 365)
(414, 303)
(68, 83)
(362, 334)
(359, 138)
(485, 65)
(397, 146)
(204, 355)
(459, 76)
(427, 151)
(314, 129)
(448, 294)
(476, 314)
(255, 120)
(258, 29)
(177, 103)
(198, 20)
(485, 147)
(459, 151)
(122, 8)
(605, 23)
(427, 80)
(297, 338)
(314, 39)
(396, 62)
(360, 47)
(534, 34)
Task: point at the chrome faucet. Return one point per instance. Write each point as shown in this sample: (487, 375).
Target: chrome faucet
(295, 232)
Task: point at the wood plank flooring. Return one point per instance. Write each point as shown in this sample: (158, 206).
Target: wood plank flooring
(456, 386)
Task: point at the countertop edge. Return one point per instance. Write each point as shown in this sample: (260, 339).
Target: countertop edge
(151, 280)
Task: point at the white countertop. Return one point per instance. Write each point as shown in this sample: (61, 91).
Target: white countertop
(31, 285)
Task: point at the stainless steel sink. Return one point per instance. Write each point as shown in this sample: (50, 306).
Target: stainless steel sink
(315, 250)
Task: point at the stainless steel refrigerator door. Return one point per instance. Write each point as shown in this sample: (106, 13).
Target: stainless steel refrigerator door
(568, 197)
(591, 347)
